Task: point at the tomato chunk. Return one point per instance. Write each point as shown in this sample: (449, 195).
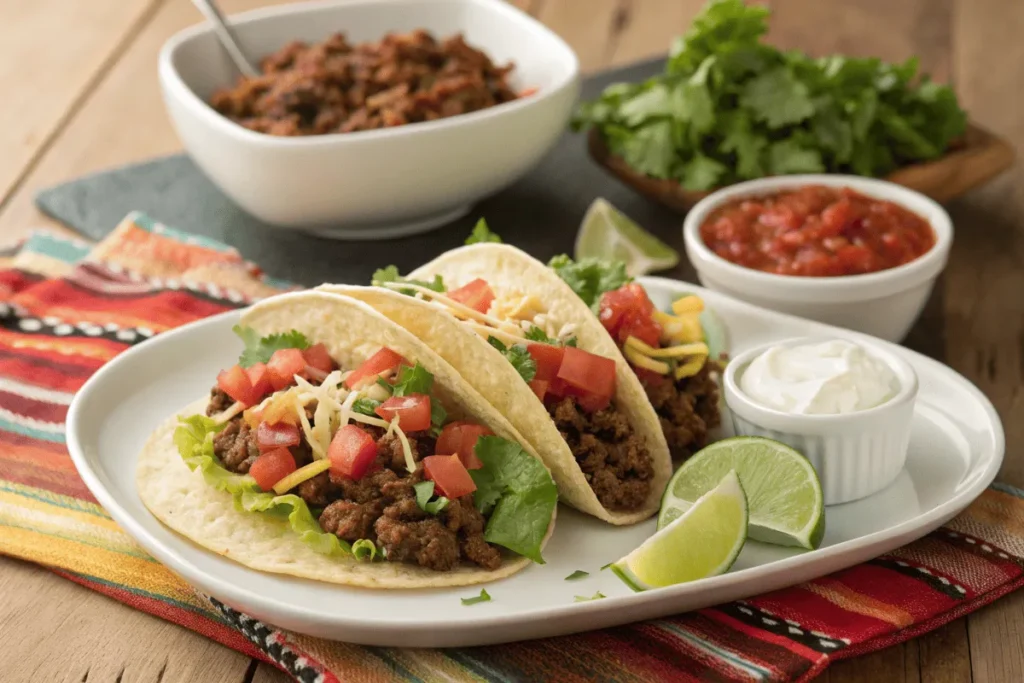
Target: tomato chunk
(413, 411)
(283, 366)
(548, 359)
(235, 383)
(351, 452)
(590, 374)
(382, 361)
(316, 356)
(540, 387)
(272, 467)
(460, 438)
(628, 311)
(477, 295)
(450, 476)
(272, 436)
(259, 377)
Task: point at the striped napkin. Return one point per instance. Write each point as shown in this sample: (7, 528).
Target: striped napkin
(67, 308)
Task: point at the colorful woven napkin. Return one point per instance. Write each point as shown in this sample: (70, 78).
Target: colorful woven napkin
(66, 309)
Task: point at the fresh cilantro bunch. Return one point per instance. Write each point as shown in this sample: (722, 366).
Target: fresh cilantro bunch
(730, 108)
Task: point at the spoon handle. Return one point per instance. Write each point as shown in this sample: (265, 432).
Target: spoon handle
(226, 36)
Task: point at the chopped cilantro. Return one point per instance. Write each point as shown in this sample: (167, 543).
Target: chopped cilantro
(364, 549)
(366, 406)
(590, 277)
(578, 574)
(596, 596)
(536, 334)
(424, 492)
(483, 597)
(259, 349)
(518, 356)
(390, 274)
(518, 493)
(412, 380)
(482, 233)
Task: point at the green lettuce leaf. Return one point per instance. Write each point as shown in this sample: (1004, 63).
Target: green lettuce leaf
(482, 233)
(391, 274)
(518, 492)
(590, 277)
(424, 492)
(194, 440)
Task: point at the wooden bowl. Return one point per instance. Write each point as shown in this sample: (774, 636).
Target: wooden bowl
(981, 157)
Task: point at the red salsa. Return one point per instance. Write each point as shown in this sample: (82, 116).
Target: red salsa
(816, 231)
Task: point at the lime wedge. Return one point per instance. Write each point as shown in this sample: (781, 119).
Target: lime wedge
(703, 542)
(786, 503)
(607, 233)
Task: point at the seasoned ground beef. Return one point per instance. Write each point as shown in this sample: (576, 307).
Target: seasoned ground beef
(336, 87)
(236, 447)
(688, 408)
(219, 402)
(614, 459)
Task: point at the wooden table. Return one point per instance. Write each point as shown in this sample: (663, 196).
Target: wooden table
(80, 94)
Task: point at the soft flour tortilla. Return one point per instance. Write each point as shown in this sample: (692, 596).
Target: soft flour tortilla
(352, 331)
(510, 271)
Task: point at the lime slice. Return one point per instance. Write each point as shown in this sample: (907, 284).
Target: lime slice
(703, 542)
(607, 233)
(786, 503)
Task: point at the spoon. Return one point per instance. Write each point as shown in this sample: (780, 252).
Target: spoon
(226, 36)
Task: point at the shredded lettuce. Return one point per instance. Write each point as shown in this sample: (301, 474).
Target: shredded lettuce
(424, 492)
(364, 550)
(194, 439)
(482, 233)
(483, 597)
(391, 274)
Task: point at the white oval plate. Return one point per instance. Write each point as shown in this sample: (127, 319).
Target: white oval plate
(955, 452)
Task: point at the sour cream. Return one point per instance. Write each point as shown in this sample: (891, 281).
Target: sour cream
(827, 378)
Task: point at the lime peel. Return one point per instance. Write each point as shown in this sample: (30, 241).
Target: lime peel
(608, 234)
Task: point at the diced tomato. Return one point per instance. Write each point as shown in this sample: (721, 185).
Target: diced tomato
(591, 374)
(413, 411)
(540, 387)
(235, 383)
(628, 311)
(317, 357)
(450, 476)
(351, 452)
(283, 366)
(272, 467)
(593, 402)
(477, 295)
(259, 376)
(272, 436)
(460, 438)
(548, 359)
(642, 326)
(382, 361)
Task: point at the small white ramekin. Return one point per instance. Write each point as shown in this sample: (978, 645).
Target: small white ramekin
(856, 454)
(884, 304)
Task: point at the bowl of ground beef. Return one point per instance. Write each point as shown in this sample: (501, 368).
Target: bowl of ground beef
(370, 118)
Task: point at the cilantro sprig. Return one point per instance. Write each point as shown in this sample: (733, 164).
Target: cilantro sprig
(366, 406)
(729, 107)
(536, 334)
(482, 233)
(259, 349)
(518, 356)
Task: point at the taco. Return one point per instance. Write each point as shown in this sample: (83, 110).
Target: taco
(533, 350)
(341, 448)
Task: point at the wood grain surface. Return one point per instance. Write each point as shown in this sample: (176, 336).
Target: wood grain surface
(80, 94)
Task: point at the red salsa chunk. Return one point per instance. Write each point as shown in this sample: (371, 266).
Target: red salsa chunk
(817, 231)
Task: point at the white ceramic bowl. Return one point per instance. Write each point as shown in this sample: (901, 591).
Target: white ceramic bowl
(378, 183)
(856, 454)
(884, 304)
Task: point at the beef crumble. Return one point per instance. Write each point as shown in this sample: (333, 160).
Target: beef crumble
(337, 87)
(687, 408)
(614, 459)
(381, 506)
